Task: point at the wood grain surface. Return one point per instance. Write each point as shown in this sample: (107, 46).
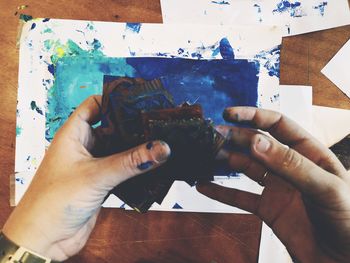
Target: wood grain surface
(158, 236)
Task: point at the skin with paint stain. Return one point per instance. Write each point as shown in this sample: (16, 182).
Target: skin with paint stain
(306, 199)
(78, 183)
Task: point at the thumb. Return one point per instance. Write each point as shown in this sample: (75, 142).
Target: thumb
(119, 167)
(283, 161)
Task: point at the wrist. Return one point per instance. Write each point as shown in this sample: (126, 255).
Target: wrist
(10, 252)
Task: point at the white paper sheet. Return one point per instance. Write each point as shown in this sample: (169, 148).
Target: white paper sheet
(295, 17)
(337, 70)
(35, 78)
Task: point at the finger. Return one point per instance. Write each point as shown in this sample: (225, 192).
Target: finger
(305, 175)
(288, 132)
(241, 199)
(77, 129)
(114, 169)
(242, 163)
(89, 111)
(278, 125)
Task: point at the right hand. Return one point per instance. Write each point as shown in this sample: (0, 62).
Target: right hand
(306, 199)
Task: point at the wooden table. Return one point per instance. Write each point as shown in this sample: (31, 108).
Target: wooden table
(158, 236)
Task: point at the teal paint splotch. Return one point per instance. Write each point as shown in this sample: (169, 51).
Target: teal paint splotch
(34, 107)
(78, 77)
(25, 18)
(18, 130)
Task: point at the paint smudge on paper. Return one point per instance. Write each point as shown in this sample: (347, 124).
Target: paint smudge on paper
(46, 20)
(220, 2)
(20, 180)
(293, 8)
(33, 106)
(270, 59)
(18, 130)
(133, 27)
(177, 206)
(258, 9)
(33, 26)
(321, 7)
(226, 49)
(25, 18)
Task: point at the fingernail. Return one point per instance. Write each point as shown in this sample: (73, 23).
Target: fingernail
(262, 144)
(160, 151)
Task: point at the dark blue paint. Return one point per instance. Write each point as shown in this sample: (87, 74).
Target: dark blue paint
(145, 166)
(258, 8)
(134, 27)
(96, 44)
(226, 49)
(215, 83)
(270, 59)
(149, 145)
(46, 20)
(51, 69)
(220, 2)
(321, 7)
(177, 206)
(33, 26)
(287, 6)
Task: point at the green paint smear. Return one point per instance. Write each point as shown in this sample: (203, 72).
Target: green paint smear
(78, 75)
(25, 18)
(18, 130)
(47, 30)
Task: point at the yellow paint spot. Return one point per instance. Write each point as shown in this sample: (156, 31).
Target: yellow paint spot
(135, 208)
(60, 52)
(21, 7)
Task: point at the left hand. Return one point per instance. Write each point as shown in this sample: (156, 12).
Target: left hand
(58, 212)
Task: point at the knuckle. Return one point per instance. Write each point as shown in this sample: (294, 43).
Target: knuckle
(291, 159)
(132, 161)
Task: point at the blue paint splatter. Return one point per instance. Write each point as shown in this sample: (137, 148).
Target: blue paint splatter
(25, 18)
(226, 49)
(33, 106)
(46, 20)
(258, 8)
(51, 69)
(220, 2)
(96, 44)
(33, 26)
(294, 9)
(270, 59)
(134, 27)
(145, 165)
(28, 158)
(321, 7)
(20, 180)
(122, 206)
(177, 206)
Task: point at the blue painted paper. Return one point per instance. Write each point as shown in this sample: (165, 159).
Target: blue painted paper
(215, 84)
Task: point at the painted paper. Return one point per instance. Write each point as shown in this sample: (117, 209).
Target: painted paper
(62, 62)
(293, 16)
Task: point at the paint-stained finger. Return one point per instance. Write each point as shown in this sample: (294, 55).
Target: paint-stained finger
(89, 111)
(241, 199)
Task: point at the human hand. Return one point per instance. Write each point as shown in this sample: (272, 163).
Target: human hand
(58, 212)
(306, 199)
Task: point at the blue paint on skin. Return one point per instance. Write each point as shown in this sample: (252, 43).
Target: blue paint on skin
(149, 145)
(177, 206)
(226, 49)
(134, 27)
(145, 166)
(33, 26)
(220, 2)
(321, 7)
(294, 9)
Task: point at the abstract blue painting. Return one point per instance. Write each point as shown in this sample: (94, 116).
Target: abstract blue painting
(215, 84)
